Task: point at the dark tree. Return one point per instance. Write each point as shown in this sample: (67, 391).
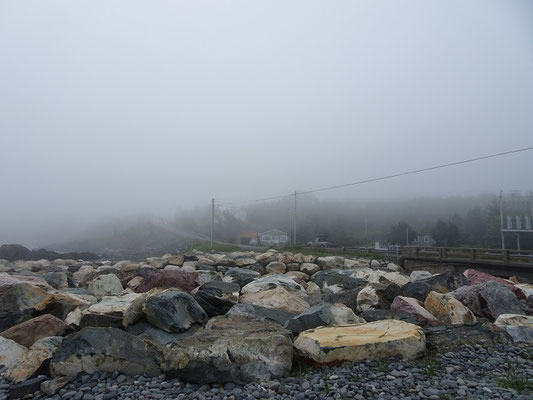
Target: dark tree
(401, 233)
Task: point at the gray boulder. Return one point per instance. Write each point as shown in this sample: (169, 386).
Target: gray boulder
(173, 311)
(260, 313)
(231, 349)
(489, 299)
(103, 349)
(216, 298)
(440, 283)
(322, 315)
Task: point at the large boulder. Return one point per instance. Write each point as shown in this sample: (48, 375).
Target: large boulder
(419, 275)
(28, 332)
(413, 306)
(10, 351)
(260, 313)
(105, 285)
(456, 337)
(277, 299)
(332, 281)
(216, 298)
(476, 277)
(231, 349)
(240, 276)
(346, 297)
(380, 315)
(276, 267)
(272, 282)
(330, 262)
(323, 315)
(266, 258)
(157, 262)
(519, 327)
(376, 295)
(489, 299)
(173, 311)
(167, 279)
(29, 363)
(103, 349)
(115, 311)
(448, 310)
(309, 268)
(372, 340)
(58, 279)
(440, 283)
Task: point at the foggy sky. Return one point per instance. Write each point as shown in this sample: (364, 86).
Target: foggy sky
(123, 107)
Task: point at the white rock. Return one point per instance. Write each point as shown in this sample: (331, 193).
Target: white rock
(268, 282)
(10, 351)
(105, 285)
(277, 299)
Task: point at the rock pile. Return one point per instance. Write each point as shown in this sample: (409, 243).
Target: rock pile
(239, 318)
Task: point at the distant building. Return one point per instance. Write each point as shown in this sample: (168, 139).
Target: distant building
(424, 240)
(248, 238)
(384, 245)
(273, 237)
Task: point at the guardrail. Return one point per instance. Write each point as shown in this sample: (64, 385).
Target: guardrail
(458, 254)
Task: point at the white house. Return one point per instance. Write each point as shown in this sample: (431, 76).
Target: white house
(424, 240)
(273, 237)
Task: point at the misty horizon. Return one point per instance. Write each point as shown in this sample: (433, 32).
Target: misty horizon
(133, 108)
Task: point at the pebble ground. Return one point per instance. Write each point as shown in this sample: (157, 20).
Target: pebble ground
(472, 373)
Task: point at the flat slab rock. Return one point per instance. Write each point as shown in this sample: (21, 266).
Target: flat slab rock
(103, 349)
(231, 349)
(379, 339)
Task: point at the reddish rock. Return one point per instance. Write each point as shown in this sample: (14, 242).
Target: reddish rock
(476, 277)
(168, 279)
(28, 332)
(414, 307)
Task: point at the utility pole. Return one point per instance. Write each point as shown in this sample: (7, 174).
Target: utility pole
(501, 220)
(212, 220)
(294, 221)
(407, 235)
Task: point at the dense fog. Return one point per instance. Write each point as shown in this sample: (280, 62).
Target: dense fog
(128, 111)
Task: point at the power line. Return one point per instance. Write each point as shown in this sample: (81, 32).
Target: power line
(381, 178)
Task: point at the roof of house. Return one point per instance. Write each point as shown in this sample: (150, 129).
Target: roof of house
(270, 232)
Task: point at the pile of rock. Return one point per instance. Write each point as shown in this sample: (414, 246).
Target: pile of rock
(239, 317)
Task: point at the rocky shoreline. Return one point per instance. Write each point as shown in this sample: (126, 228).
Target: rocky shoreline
(271, 325)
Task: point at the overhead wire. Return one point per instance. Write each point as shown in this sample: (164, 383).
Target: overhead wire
(381, 178)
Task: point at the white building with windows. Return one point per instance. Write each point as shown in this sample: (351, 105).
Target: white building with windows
(273, 237)
(424, 240)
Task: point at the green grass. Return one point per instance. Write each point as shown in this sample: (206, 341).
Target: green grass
(430, 366)
(300, 367)
(223, 248)
(515, 379)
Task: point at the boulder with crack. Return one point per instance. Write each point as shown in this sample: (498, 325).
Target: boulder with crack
(114, 311)
(323, 315)
(216, 297)
(269, 282)
(277, 299)
(489, 299)
(260, 313)
(231, 349)
(448, 310)
(103, 349)
(372, 340)
(105, 285)
(30, 362)
(173, 311)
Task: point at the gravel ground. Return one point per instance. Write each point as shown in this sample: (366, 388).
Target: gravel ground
(473, 373)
